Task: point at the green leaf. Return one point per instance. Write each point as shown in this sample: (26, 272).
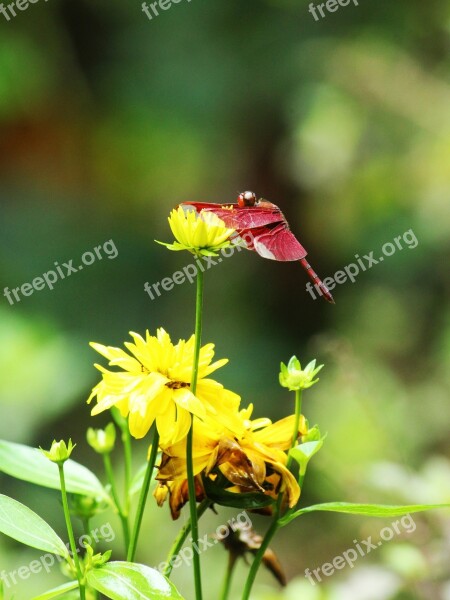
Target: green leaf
(29, 464)
(22, 524)
(55, 592)
(224, 498)
(304, 452)
(369, 510)
(131, 581)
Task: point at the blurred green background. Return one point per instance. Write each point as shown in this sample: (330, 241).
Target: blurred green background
(108, 120)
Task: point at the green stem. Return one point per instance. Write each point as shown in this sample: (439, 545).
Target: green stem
(143, 497)
(298, 412)
(73, 546)
(228, 577)
(258, 558)
(122, 423)
(275, 524)
(126, 440)
(190, 437)
(181, 537)
(85, 522)
(123, 517)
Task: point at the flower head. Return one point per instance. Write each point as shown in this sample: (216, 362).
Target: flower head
(59, 451)
(294, 378)
(200, 233)
(102, 440)
(253, 461)
(153, 383)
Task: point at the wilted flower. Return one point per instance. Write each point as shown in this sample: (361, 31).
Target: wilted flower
(200, 233)
(154, 384)
(243, 540)
(294, 378)
(254, 461)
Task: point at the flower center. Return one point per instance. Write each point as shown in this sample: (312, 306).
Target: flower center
(176, 385)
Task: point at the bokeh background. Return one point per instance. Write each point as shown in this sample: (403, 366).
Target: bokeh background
(108, 120)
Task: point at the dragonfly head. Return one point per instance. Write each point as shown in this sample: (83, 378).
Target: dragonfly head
(246, 199)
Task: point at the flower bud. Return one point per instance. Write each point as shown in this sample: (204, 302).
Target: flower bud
(102, 440)
(59, 451)
(92, 561)
(295, 378)
(86, 507)
(313, 435)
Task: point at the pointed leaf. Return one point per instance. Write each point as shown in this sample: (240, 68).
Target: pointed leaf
(369, 510)
(55, 592)
(22, 524)
(131, 581)
(29, 464)
(304, 452)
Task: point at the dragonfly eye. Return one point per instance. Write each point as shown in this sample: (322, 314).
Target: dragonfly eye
(247, 199)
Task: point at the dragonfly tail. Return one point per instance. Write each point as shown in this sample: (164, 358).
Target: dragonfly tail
(318, 283)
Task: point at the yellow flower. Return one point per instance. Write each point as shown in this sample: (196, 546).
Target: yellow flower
(154, 384)
(254, 461)
(200, 233)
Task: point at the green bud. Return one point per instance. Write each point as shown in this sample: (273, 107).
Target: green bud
(59, 451)
(86, 507)
(91, 560)
(102, 440)
(295, 378)
(313, 435)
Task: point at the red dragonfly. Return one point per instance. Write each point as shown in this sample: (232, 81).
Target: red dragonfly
(262, 227)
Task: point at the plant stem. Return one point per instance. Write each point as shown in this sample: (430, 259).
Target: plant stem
(126, 440)
(258, 558)
(143, 497)
(189, 441)
(228, 577)
(182, 535)
(123, 517)
(73, 546)
(275, 524)
(122, 423)
(298, 412)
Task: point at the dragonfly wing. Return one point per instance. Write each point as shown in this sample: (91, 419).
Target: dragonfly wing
(238, 218)
(280, 244)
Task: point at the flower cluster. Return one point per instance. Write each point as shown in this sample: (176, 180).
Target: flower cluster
(153, 384)
(232, 454)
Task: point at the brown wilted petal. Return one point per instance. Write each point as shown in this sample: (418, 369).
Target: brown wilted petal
(242, 540)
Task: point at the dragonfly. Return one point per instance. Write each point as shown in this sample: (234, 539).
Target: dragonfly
(262, 227)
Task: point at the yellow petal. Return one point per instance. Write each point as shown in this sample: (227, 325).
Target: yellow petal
(184, 398)
(279, 434)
